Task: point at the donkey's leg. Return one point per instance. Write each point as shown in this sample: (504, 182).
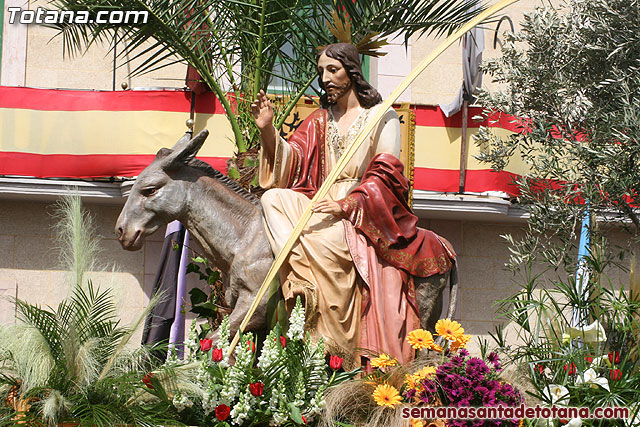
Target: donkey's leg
(429, 298)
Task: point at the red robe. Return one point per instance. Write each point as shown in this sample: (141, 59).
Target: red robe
(385, 244)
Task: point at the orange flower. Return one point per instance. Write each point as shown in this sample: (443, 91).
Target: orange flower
(426, 373)
(420, 339)
(449, 329)
(437, 348)
(417, 423)
(386, 395)
(460, 342)
(383, 361)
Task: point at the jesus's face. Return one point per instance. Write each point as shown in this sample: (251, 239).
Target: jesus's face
(334, 76)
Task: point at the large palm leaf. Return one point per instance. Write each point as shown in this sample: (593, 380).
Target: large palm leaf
(240, 46)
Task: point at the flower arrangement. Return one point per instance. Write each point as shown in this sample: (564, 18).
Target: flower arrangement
(443, 374)
(458, 380)
(577, 352)
(282, 385)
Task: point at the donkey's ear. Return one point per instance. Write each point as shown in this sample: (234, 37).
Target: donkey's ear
(185, 150)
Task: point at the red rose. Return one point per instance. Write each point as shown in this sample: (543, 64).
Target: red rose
(216, 354)
(251, 346)
(335, 362)
(589, 359)
(570, 368)
(205, 344)
(539, 368)
(222, 412)
(147, 380)
(615, 374)
(614, 357)
(283, 341)
(304, 419)
(256, 389)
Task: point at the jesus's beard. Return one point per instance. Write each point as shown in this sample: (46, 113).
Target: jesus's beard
(338, 91)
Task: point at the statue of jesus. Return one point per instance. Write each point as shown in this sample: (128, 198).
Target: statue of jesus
(353, 263)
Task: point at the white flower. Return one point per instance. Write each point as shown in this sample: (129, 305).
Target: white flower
(591, 377)
(574, 422)
(296, 322)
(181, 402)
(270, 351)
(223, 341)
(236, 374)
(593, 333)
(557, 394)
(240, 411)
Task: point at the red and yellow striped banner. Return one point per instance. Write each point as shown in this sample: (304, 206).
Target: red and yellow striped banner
(87, 134)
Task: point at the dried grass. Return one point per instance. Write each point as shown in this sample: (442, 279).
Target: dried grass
(352, 402)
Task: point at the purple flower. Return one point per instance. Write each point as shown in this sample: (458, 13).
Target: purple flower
(410, 393)
(476, 368)
(457, 361)
(463, 352)
(429, 386)
(492, 357)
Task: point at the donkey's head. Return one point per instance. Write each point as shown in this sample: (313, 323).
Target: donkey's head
(159, 194)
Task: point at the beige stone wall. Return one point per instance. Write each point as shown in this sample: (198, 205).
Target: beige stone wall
(46, 66)
(483, 277)
(30, 270)
(29, 266)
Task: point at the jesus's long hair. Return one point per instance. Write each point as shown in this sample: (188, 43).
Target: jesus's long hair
(348, 56)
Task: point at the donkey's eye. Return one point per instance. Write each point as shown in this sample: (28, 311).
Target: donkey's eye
(147, 192)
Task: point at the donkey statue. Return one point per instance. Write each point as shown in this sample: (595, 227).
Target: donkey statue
(226, 220)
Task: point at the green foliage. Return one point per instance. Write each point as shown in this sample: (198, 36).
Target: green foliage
(70, 362)
(241, 46)
(277, 385)
(581, 359)
(570, 80)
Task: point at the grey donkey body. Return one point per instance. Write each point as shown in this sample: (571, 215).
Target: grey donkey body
(223, 218)
(227, 222)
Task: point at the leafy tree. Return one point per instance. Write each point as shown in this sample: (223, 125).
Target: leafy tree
(571, 81)
(241, 46)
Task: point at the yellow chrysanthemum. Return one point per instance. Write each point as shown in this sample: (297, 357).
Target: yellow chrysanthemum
(383, 361)
(386, 395)
(417, 423)
(425, 373)
(449, 329)
(460, 342)
(420, 339)
(410, 381)
(437, 348)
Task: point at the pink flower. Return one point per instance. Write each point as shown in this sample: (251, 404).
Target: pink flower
(614, 357)
(335, 362)
(222, 412)
(256, 389)
(216, 354)
(147, 380)
(615, 374)
(570, 368)
(205, 344)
